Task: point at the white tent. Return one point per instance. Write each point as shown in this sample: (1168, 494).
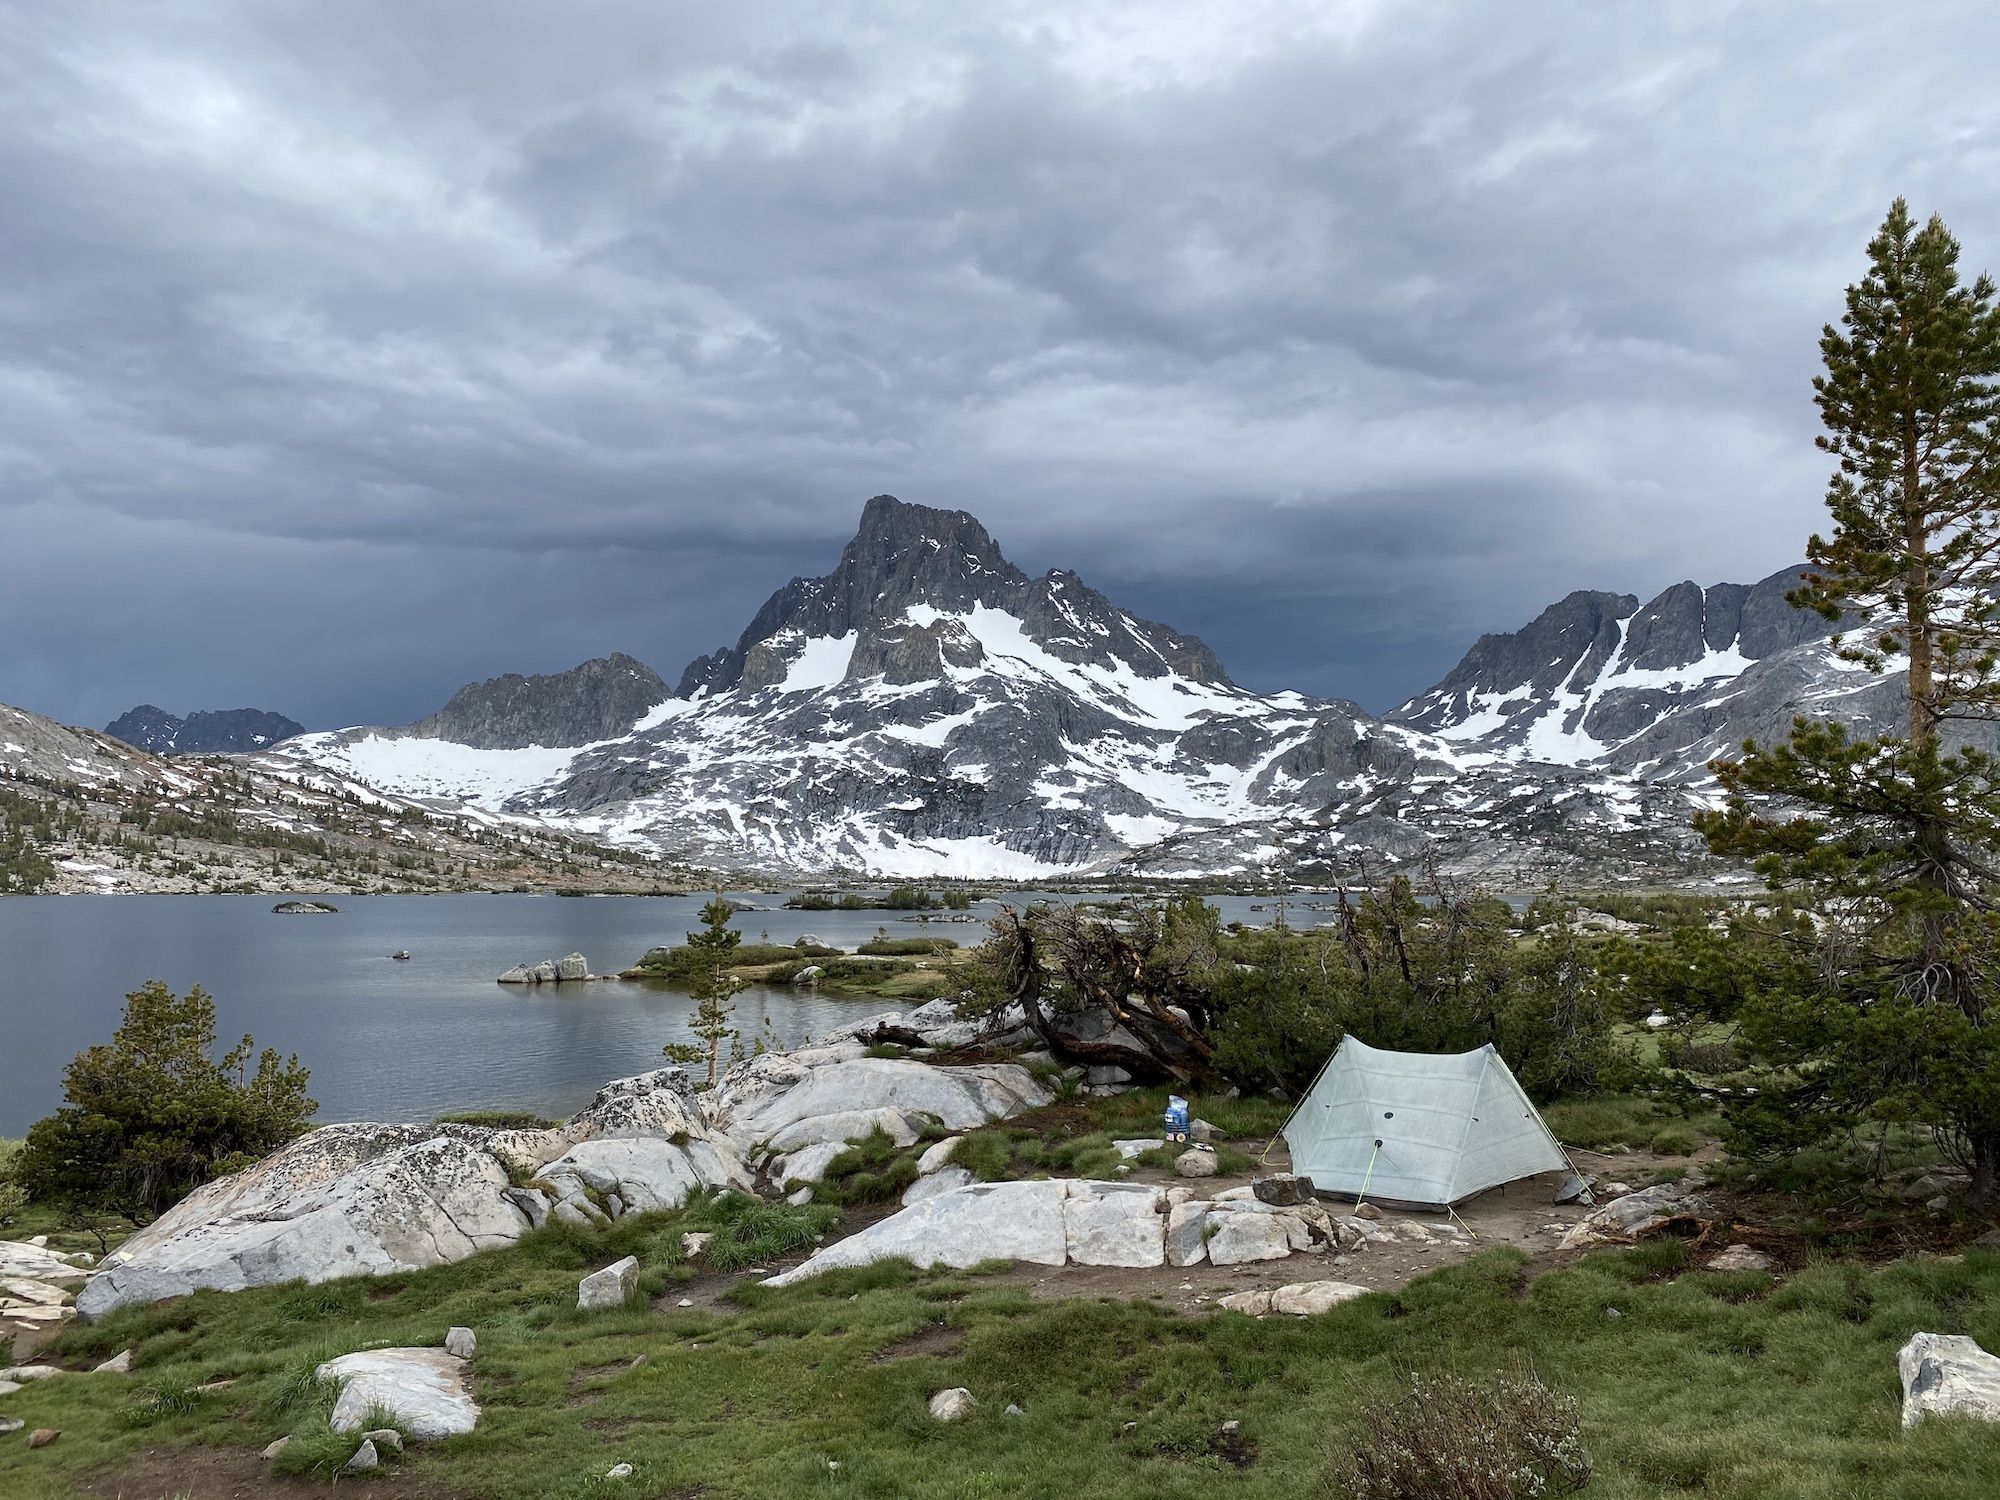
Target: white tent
(1423, 1129)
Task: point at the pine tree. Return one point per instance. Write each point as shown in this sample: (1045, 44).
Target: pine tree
(1897, 838)
(713, 984)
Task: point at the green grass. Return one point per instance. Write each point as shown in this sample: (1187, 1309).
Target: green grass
(1622, 1120)
(907, 947)
(1728, 1387)
(1074, 1139)
(678, 963)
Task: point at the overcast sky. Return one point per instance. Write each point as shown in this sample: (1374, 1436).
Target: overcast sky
(350, 352)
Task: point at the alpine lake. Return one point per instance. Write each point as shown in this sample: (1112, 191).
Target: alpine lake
(407, 1039)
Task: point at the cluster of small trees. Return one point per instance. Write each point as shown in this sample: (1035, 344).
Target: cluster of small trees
(153, 1114)
(1169, 994)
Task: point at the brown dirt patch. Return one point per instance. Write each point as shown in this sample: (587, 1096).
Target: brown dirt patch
(932, 1341)
(235, 1474)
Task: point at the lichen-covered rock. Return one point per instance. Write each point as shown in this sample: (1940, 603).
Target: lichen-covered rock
(422, 1391)
(986, 1221)
(1283, 1189)
(783, 1102)
(1195, 1162)
(1632, 1214)
(1187, 1233)
(349, 1200)
(1945, 1375)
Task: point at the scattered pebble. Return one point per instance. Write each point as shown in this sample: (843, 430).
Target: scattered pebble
(272, 1450)
(619, 1471)
(685, 1302)
(384, 1437)
(365, 1458)
(11, 1424)
(41, 1437)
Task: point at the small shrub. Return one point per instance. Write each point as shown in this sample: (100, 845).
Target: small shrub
(749, 1232)
(870, 1171)
(983, 1153)
(906, 947)
(1675, 1140)
(160, 1400)
(1454, 1439)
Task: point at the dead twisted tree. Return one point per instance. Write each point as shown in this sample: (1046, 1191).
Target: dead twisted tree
(1101, 996)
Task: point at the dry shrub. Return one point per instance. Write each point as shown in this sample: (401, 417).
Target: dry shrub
(1455, 1439)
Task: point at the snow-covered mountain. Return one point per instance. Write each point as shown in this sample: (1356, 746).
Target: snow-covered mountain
(928, 709)
(1654, 692)
(82, 811)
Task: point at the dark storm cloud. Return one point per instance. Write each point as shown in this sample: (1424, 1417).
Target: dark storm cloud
(348, 352)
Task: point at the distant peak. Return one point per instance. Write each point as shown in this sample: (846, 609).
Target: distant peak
(892, 523)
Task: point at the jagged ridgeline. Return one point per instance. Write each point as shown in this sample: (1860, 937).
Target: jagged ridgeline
(208, 732)
(926, 709)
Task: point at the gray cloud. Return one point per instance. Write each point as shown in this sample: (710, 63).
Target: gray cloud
(348, 352)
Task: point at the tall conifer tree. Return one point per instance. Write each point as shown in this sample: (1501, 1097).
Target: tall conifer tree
(1899, 838)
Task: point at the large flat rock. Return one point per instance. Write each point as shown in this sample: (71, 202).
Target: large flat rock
(348, 1200)
(1117, 1224)
(986, 1221)
(423, 1392)
(785, 1102)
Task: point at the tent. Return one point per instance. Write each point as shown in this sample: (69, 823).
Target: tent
(1426, 1130)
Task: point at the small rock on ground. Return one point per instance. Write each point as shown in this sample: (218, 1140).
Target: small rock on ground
(272, 1450)
(618, 1471)
(41, 1437)
(461, 1342)
(365, 1457)
(611, 1287)
(950, 1405)
(11, 1424)
(118, 1364)
(1196, 1163)
(384, 1437)
(1740, 1258)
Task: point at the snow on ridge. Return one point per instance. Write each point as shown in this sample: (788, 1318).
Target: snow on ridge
(821, 663)
(414, 767)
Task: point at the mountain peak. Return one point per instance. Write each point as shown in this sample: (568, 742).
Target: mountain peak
(911, 567)
(594, 700)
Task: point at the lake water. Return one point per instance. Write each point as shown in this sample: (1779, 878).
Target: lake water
(388, 1039)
